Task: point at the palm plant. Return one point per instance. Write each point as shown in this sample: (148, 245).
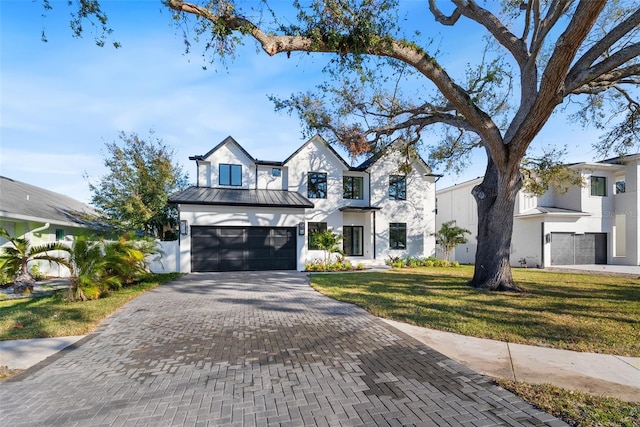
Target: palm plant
(329, 242)
(87, 269)
(126, 258)
(15, 259)
(449, 236)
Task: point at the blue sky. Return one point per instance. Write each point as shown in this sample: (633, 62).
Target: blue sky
(62, 100)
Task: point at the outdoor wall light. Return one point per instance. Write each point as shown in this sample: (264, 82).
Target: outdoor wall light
(301, 228)
(184, 227)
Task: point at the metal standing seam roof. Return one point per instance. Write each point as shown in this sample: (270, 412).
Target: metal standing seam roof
(19, 200)
(240, 197)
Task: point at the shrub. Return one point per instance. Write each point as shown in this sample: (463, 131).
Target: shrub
(36, 273)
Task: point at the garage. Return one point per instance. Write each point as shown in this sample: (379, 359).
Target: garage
(243, 248)
(572, 248)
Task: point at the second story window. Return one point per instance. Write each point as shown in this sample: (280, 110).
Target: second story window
(352, 187)
(598, 186)
(397, 187)
(276, 172)
(230, 174)
(317, 185)
(59, 234)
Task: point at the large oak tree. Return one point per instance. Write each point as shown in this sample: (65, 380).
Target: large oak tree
(540, 54)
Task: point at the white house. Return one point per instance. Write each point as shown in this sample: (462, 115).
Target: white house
(597, 223)
(249, 214)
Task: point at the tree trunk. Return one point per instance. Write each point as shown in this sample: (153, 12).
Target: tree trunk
(495, 198)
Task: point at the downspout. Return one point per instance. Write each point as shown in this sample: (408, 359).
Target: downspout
(39, 229)
(256, 176)
(374, 216)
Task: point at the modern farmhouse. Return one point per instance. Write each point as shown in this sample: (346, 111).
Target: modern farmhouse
(596, 223)
(249, 214)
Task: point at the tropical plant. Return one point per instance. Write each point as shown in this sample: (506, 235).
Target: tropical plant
(449, 236)
(87, 269)
(329, 242)
(99, 266)
(126, 259)
(15, 259)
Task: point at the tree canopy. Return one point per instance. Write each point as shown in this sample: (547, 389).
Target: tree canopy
(541, 56)
(134, 193)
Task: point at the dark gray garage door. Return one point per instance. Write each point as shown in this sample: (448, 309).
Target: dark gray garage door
(242, 248)
(569, 248)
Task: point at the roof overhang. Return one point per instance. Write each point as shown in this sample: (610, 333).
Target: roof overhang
(552, 212)
(359, 208)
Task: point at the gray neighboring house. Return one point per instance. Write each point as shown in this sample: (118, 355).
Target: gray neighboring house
(43, 216)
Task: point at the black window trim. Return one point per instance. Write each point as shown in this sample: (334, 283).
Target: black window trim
(395, 227)
(231, 166)
(320, 186)
(396, 193)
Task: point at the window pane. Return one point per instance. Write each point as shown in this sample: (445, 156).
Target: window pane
(317, 185)
(598, 186)
(59, 234)
(236, 175)
(225, 174)
(352, 187)
(397, 235)
(230, 174)
(397, 187)
(313, 228)
(352, 240)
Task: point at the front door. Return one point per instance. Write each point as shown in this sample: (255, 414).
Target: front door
(352, 240)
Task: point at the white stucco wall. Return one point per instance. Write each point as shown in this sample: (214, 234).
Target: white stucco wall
(198, 215)
(417, 211)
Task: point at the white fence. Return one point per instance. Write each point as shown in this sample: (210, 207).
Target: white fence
(168, 260)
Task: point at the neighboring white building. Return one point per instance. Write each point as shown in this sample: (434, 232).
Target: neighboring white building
(597, 223)
(249, 214)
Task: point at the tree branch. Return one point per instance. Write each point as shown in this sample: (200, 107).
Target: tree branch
(506, 38)
(551, 91)
(598, 49)
(400, 50)
(441, 17)
(604, 68)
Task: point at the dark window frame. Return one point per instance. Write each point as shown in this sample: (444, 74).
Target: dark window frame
(398, 235)
(349, 188)
(348, 238)
(598, 186)
(313, 228)
(60, 234)
(229, 175)
(317, 185)
(397, 187)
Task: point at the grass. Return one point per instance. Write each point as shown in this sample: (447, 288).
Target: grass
(576, 408)
(54, 316)
(561, 310)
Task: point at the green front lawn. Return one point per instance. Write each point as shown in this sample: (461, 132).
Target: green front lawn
(570, 311)
(54, 316)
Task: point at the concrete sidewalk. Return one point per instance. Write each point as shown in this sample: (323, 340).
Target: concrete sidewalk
(598, 374)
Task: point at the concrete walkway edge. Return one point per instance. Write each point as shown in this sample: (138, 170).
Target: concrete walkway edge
(598, 374)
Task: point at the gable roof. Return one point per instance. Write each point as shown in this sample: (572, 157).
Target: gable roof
(378, 155)
(22, 201)
(318, 138)
(227, 140)
(241, 197)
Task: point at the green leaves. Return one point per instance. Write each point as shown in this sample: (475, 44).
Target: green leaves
(134, 194)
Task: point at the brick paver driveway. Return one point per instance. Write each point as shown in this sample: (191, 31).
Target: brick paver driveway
(253, 349)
